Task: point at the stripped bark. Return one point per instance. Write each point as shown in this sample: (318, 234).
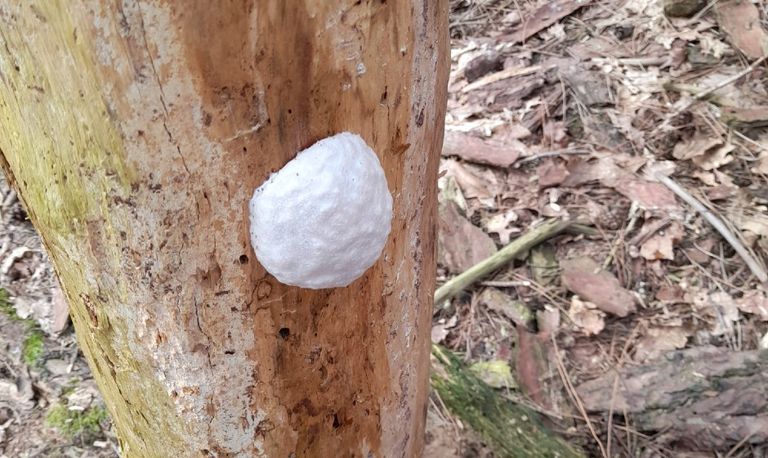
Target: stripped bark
(135, 133)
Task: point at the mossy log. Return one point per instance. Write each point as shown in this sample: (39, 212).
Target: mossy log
(512, 430)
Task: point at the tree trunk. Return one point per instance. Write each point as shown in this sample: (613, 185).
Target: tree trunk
(136, 132)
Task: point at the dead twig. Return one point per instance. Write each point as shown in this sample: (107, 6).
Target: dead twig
(547, 154)
(644, 235)
(738, 445)
(523, 243)
(506, 284)
(742, 251)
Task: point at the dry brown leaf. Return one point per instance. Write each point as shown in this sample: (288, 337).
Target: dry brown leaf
(442, 328)
(661, 244)
(531, 366)
(475, 149)
(623, 122)
(472, 185)
(720, 192)
(708, 178)
(554, 133)
(512, 131)
(599, 130)
(761, 165)
(551, 172)
(544, 16)
(754, 302)
(586, 316)
(670, 294)
(650, 195)
(462, 244)
(754, 117)
(698, 253)
(583, 277)
(548, 321)
(659, 341)
(695, 146)
(748, 216)
(719, 306)
(603, 169)
(740, 19)
(756, 224)
(715, 157)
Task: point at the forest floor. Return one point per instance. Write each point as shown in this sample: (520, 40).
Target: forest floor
(646, 120)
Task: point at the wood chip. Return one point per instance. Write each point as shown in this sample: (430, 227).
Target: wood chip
(583, 276)
(544, 16)
(474, 149)
(462, 244)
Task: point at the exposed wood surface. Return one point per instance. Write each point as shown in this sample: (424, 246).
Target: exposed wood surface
(136, 132)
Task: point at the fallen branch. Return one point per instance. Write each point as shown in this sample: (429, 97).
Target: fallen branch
(523, 243)
(707, 397)
(511, 429)
(719, 226)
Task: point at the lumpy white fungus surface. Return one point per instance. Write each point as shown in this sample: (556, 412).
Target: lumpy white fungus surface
(323, 219)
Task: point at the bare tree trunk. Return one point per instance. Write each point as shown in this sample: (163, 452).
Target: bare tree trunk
(136, 132)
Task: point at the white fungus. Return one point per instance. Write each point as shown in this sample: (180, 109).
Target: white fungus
(322, 220)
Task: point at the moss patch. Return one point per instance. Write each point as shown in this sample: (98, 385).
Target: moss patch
(74, 423)
(6, 308)
(32, 350)
(33, 347)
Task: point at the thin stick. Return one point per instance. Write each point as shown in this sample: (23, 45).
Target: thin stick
(738, 445)
(703, 94)
(751, 262)
(523, 243)
(505, 284)
(547, 154)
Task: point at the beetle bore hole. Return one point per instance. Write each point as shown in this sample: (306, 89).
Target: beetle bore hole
(243, 259)
(284, 333)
